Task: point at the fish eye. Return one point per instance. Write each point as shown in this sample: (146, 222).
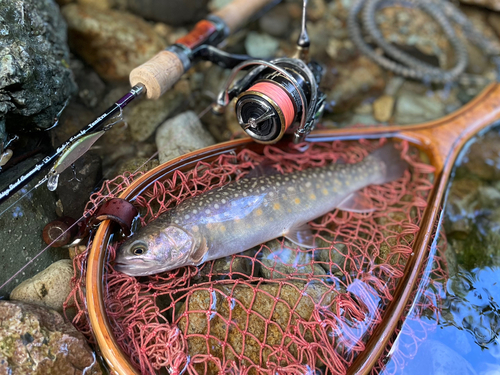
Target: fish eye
(138, 249)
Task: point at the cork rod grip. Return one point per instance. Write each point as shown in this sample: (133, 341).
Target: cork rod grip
(158, 74)
(237, 12)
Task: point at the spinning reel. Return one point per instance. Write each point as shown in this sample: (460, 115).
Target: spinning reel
(278, 96)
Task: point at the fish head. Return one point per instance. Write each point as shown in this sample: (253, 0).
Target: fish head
(154, 250)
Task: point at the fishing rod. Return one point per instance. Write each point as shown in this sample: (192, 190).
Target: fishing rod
(152, 79)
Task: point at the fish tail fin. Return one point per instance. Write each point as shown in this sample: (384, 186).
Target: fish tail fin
(390, 157)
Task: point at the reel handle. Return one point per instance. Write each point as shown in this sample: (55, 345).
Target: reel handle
(162, 71)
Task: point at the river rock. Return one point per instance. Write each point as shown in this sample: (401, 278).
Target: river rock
(491, 4)
(172, 12)
(91, 88)
(21, 229)
(353, 82)
(35, 79)
(135, 165)
(494, 22)
(181, 134)
(282, 259)
(462, 205)
(261, 45)
(112, 42)
(333, 259)
(37, 341)
(413, 108)
(483, 157)
(147, 115)
(276, 22)
(248, 305)
(382, 108)
(48, 288)
(77, 184)
(241, 266)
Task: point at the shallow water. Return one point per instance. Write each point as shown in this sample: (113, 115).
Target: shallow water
(463, 335)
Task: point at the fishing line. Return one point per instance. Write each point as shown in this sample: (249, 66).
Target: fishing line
(279, 96)
(84, 216)
(41, 182)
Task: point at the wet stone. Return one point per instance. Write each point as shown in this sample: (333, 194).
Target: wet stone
(49, 288)
(261, 45)
(144, 117)
(35, 340)
(181, 134)
(285, 260)
(413, 108)
(461, 206)
(35, 79)
(276, 22)
(247, 305)
(21, 229)
(333, 258)
(382, 108)
(91, 89)
(172, 12)
(393, 225)
(77, 183)
(490, 4)
(135, 165)
(353, 82)
(242, 266)
(483, 157)
(112, 42)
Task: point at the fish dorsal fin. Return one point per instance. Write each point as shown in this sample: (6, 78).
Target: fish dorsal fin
(199, 253)
(356, 202)
(301, 235)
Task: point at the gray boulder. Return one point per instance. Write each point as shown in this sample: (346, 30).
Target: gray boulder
(35, 79)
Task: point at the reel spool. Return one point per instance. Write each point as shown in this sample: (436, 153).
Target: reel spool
(277, 97)
(273, 105)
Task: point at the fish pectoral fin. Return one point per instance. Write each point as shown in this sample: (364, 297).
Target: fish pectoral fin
(301, 235)
(356, 202)
(197, 256)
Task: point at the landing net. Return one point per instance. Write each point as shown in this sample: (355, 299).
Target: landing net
(277, 308)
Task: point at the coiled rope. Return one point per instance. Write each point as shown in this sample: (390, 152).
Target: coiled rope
(408, 66)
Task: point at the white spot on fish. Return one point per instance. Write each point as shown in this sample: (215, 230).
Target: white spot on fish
(195, 211)
(216, 206)
(290, 188)
(177, 222)
(262, 188)
(207, 211)
(245, 194)
(308, 184)
(223, 201)
(187, 216)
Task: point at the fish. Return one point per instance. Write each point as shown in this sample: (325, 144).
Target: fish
(253, 210)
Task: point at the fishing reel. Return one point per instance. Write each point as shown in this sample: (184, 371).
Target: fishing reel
(276, 97)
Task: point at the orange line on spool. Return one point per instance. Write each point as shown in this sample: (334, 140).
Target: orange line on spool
(279, 96)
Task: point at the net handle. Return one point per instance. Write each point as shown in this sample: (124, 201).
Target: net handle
(442, 140)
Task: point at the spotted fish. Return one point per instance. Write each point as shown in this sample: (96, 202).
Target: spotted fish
(243, 214)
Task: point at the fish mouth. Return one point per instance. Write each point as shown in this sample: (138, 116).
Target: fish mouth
(142, 268)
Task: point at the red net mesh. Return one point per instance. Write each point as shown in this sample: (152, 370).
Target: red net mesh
(277, 308)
